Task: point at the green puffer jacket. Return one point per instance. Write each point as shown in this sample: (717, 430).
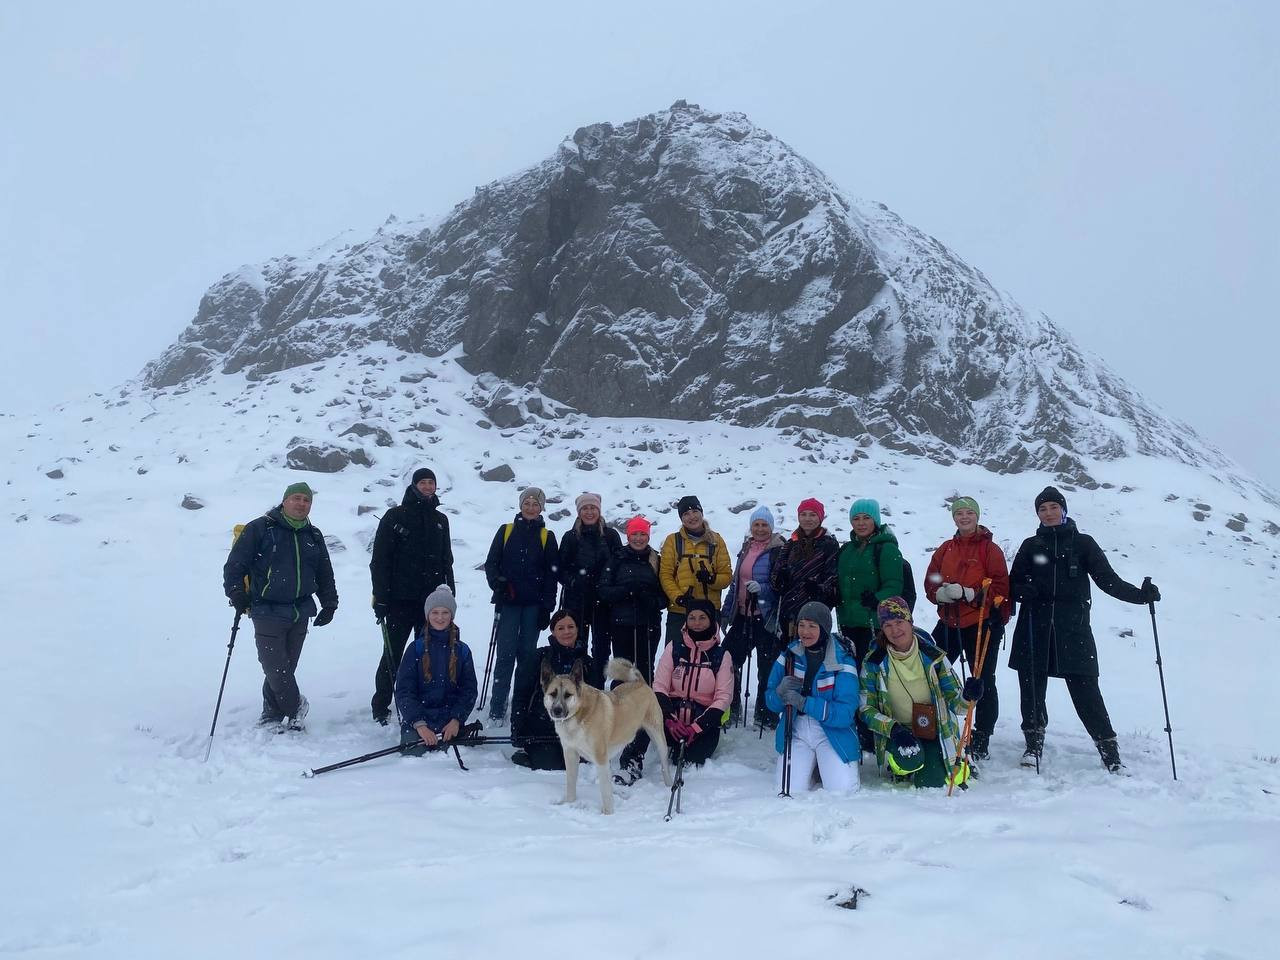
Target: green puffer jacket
(856, 572)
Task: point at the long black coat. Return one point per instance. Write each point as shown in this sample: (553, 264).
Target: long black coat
(584, 552)
(529, 717)
(1059, 562)
(412, 554)
(630, 586)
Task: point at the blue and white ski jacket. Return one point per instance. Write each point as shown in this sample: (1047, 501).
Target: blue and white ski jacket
(833, 701)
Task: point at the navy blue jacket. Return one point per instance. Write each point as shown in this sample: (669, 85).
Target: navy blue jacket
(436, 701)
(284, 566)
(529, 567)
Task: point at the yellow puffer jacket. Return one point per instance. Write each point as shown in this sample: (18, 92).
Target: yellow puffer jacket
(682, 555)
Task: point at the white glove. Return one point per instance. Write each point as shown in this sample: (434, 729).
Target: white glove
(968, 594)
(753, 587)
(951, 592)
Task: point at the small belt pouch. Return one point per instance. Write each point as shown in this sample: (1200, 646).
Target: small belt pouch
(924, 721)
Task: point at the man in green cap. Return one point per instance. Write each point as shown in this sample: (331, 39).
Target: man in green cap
(276, 563)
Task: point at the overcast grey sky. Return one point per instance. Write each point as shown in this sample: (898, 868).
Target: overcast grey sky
(1113, 165)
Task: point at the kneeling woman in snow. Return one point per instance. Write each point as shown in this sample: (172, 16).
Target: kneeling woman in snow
(911, 700)
(694, 684)
(818, 679)
(436, 682)
(531, 728)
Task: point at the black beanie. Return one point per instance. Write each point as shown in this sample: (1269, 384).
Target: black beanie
(1051, 495)
(706, 606)
(686, 504)
(423, 473)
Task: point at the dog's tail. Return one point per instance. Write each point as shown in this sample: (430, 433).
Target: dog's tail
(624, 671)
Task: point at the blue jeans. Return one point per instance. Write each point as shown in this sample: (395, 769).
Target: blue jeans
(517, 641)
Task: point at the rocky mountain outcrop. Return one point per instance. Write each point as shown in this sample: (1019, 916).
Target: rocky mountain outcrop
(690, 265)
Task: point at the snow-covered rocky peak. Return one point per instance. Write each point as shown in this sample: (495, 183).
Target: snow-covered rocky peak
(690, 265)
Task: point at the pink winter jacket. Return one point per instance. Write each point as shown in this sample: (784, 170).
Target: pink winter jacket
(694, 679)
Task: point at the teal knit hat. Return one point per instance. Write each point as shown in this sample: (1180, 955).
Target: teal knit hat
(868, 506)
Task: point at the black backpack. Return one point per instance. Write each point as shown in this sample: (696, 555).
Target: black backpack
(908, 578)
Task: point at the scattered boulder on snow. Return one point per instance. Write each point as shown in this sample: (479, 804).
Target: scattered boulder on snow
(1236, 525)
(743, 507)
(560, 514)
(380, 437)
(1170, 498)
(54, 474)
(334, 544)
(1271, 528)
(1198, 515)
(363, 509)
(65, 518)
(499, 474)
(192, 503)
(323, 458)
(415, 377)
(1203, 506)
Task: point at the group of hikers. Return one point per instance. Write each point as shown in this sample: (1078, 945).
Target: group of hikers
(828, 626)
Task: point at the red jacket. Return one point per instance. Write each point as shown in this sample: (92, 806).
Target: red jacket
(968, 561)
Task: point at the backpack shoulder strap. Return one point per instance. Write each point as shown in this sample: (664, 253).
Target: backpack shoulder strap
(506, 532)
(545, 531)
(679, 548)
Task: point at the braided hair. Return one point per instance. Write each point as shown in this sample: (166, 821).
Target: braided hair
(453, 655)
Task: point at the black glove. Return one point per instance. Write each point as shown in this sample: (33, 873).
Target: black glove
(902, 740)
(704, 575)
(1150, 592)
(685, 599)
(544, 618)
(973, 689)
(868, 600)
(323, 617)
(239, 600)
(380, 611)
(1025, 592)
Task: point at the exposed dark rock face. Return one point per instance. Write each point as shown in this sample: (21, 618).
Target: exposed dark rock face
(324, 458)
(689, 265)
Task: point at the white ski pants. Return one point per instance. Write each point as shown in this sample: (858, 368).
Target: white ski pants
(810, 748)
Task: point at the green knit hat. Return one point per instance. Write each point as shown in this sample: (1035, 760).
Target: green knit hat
(300, 487)
(965, 503)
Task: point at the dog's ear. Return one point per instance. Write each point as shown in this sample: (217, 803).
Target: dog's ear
(548, 674)
(576, 675)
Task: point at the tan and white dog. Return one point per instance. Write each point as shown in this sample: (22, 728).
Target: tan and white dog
(596, 726)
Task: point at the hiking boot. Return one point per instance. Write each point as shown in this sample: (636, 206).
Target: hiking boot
(979, 745)
(295, 723)
(631, 771)
(382, 717)
(270, 720)
(1035, 748)
(1109, 751)
(521, 759)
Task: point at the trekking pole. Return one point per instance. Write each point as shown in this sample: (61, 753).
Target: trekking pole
(1168, 727)
(488, 663)
(753, 606)
(979, 658)
(788, 733)
(361, 759)
(392, 665)
(677, 784)
(235, 628)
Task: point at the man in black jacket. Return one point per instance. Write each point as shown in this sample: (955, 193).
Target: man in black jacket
(1050, 581)
(283, 560)
(521, 569)
(412, 555)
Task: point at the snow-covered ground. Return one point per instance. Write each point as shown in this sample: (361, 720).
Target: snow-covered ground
(121, 842)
